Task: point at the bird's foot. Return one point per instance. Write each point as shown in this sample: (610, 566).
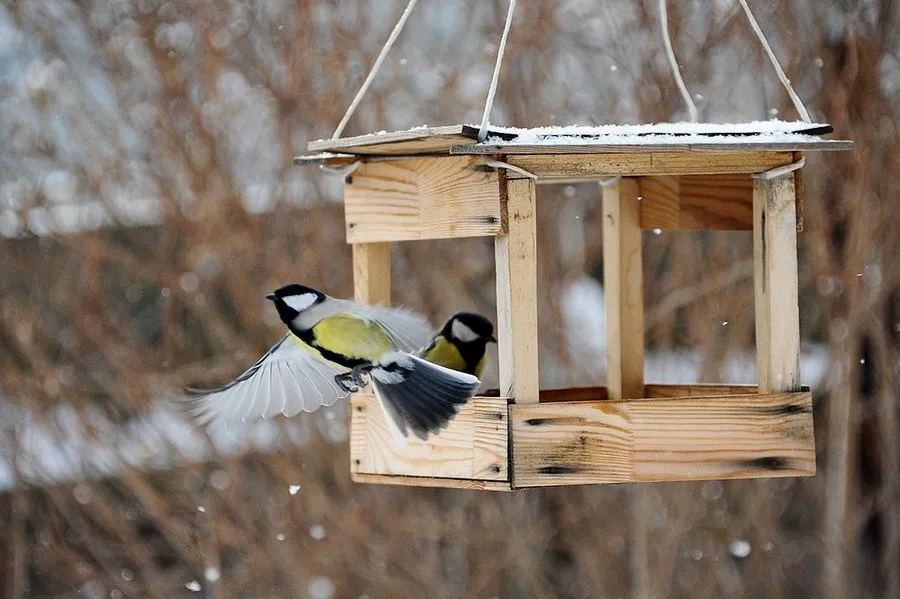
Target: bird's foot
(347, 382)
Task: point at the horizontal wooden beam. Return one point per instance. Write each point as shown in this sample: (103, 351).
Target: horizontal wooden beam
(473, 446)
(642, 144)
(697, 202)
(423, 198)
(575, 167)
(425, 481)
(651, 391)
(648, 440)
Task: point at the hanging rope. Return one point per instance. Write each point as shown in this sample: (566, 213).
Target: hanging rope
(798, 104)
(509, 167)
(673, 63)
(780, 171)
(365, 86)
(489, 103)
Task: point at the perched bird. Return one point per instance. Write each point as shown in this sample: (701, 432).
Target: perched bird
(330, 345)
(461, 344)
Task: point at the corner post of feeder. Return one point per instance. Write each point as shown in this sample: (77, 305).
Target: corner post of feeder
(516, 265)
(623, 289)
(776, 284)
(372, 273)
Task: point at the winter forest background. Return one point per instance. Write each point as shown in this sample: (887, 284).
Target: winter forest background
(148, 201)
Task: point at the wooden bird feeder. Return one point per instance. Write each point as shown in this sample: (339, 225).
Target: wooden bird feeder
(438, 183)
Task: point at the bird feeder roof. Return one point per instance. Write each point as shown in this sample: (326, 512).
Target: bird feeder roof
(776, 136)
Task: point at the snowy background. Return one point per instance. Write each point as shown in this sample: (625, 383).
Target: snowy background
(148, 201)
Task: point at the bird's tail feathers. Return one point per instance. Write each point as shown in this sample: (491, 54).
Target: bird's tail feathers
(418, 395)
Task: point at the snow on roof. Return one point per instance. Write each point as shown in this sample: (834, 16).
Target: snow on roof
(770, 127)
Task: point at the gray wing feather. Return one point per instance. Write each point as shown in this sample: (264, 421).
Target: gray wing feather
(287, 379)
(408, 330)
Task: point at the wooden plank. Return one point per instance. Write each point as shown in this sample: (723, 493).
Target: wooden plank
(372, 273)
(697, 202)
(423, 198)
(473, 446)
(645, 145)
(424, 481)
(420, 140)
(600, 166)
(326, 159)
(516, 266)
(776, 285)
(658, 391)
(651, 390)
(649, 440)
(799, 191)
(623, 285)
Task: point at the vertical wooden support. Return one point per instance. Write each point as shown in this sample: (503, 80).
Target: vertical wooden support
(776, 285)
(516, 264)
(372, 273)
(624, 290)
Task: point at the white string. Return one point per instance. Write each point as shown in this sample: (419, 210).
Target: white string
(673, 63)
(489, 103)
(365, 86)
(780, 170)
(509, 167)
(798, 104)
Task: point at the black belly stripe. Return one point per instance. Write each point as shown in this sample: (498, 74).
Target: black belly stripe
(309, 338)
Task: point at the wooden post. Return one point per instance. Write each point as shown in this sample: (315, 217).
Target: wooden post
(516, 264)
(624, 290)
(372, 273)
(776, 285)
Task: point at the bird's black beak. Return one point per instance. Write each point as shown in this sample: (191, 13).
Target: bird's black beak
(492, 339)
(271, 297)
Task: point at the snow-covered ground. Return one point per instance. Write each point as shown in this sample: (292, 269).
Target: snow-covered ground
(62, 447)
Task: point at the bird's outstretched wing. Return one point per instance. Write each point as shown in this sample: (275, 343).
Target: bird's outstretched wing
(418, 395)
(290, 378)
(407, 330)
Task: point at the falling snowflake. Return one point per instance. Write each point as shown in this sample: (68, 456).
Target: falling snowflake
(317, 532)
(740, 548)
(294, 489)
(211, 574)
(193, 586)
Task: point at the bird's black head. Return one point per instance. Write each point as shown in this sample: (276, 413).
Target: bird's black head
(293, 299)
(466, 328)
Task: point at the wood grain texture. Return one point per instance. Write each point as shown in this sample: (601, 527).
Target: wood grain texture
(575, 167)
(651, 391)
(473, 446)
(697, 202)
(776, 285)
(647, 440)
(701, 147)
(516, 265)
(372, 273)
(423, 198)
(416, 141)
(623, 286)
(421, 140)
(424, 481)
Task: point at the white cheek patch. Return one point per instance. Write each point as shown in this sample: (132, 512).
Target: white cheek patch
(462, 332)
(300, 302)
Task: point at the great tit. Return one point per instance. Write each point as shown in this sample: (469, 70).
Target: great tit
(330, 344)
(461, 343)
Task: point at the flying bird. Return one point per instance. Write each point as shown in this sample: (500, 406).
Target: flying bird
(330, 346)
